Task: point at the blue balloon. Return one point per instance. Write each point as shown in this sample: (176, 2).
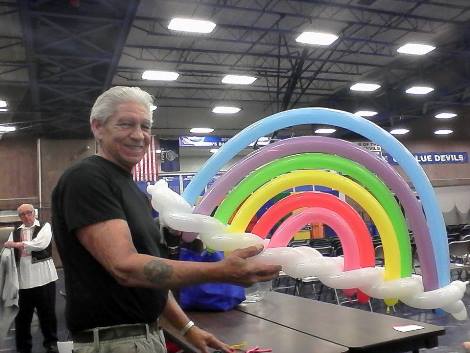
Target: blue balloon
(359, 125)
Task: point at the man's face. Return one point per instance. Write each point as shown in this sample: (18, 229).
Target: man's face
(125, 136)
(26, 215)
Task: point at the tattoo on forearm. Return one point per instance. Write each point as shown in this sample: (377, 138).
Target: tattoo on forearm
(158, 272)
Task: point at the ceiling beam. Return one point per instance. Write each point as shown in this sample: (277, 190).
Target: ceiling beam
(307, 18)
(125, 27)
(263, 55)
(26, 24)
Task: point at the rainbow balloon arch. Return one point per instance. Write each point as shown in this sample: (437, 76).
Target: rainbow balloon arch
(359, 174)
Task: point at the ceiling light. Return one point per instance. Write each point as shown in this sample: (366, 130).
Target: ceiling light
(220, 109)
(157, 75)
(316, 38)
(365, 113)
(324, 131)
(443, 132)
(213, 150)
(4, 128)
(364, 87)
(153, 107)
(3, 109)
(191, 25)
(445, 115)
(419, 90)
(3, 104)
(415, 49)
(201, 130)
(239, 79)
(399, 131)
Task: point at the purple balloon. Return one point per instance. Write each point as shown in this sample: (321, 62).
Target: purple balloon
(384, 171)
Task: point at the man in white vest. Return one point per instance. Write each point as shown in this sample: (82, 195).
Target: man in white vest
(36, 275)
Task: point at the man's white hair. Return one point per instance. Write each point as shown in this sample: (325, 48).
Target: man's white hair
(29, 206)
(105, 105)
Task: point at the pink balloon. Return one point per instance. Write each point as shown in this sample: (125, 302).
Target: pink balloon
(286, 231)
(341, 226)
(344, 211)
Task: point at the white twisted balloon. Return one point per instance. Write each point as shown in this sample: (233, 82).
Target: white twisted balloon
(301, 262)
(176, 213)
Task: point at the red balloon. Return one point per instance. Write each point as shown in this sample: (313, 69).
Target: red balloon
(318, 199)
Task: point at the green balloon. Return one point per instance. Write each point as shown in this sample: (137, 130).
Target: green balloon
(355, 171)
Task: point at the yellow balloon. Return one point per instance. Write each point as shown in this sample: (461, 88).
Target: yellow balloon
(334, 181)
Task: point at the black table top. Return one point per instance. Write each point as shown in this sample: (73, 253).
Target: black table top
(356, 329)
(235, 326)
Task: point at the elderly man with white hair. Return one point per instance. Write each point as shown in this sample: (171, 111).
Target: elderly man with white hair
(117, 277)
(36, 275)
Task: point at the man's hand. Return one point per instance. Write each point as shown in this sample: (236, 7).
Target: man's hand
(203, 340)
(238, 268)
(14, 245)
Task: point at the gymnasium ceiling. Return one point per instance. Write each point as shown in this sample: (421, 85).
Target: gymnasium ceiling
(56, 57)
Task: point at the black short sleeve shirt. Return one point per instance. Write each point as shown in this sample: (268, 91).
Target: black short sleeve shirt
(92, 191)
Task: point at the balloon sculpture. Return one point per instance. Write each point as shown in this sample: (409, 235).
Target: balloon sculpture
(310, 160)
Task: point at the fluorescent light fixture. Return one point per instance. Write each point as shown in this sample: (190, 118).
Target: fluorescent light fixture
(415, 49)
(419, 90)
(3, 104)
(3, 109)
(365, 113)
(364, 87)
(445, 115)
(4, 128)
(213, 150)
(238, 79)
(399, 131)
(316, 38)
(157, 75)
(325, 131)
(191, 25)
(201, 130)
(220, 109)
(443, 132)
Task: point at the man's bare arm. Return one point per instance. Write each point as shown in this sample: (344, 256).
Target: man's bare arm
(111, 245)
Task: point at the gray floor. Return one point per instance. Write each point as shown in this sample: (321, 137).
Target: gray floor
(456, 331)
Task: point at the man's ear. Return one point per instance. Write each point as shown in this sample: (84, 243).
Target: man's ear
(96, 128)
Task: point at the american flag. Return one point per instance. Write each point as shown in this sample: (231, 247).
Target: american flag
(147, 168)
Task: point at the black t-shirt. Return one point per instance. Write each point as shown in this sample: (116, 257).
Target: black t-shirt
(92, 191)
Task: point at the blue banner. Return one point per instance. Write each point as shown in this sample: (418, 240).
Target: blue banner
(187, 179)
(435, 157)
(217, 141)
(201, 141)
(170, 155)
(173, 182)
